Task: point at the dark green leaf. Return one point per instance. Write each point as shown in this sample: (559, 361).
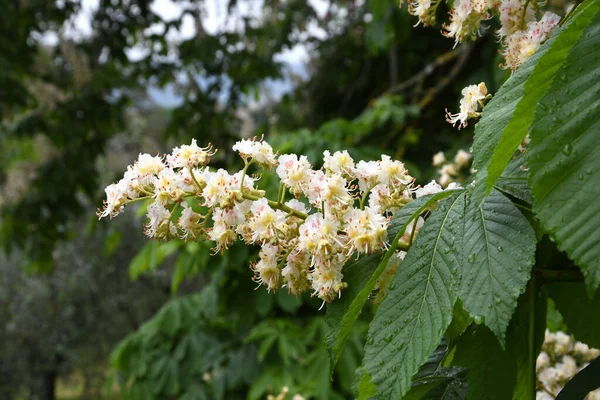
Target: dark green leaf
(507, 118)
(580, 313)
(491, 371)
(498, 252)
(524, 342)
(563, 156)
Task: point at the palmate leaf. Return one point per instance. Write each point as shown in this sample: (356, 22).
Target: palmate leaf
(411, 320)
(507, 118)
(362, 275)
(497, 255)
(564, 153)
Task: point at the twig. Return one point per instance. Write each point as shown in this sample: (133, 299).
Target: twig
(426, 71)
(465, 52)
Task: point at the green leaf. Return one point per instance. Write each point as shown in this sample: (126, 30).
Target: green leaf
(151, 256)
(580, 385)
(460, 322)
(432, 381)
(508, 116)
(288, 301)
(366, 388)
(563, 156)
(579, 312)
(491, 371)
(524, 341)
(411, 320)
(451, 389)
(513, 180)
(362, 276)
(498, 252)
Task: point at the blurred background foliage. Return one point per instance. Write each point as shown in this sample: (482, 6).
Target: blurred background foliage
(91, 309)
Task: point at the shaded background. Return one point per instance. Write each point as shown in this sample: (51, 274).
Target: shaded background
(93, 309)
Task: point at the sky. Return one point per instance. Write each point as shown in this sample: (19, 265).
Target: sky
(215, 20)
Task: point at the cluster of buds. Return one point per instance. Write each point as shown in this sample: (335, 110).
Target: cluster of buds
(561, 358)
(335, 213)
(451, 172)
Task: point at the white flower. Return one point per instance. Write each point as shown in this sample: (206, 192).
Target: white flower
(379, 196)
(549, 377)
(295, 273)
(189, 156)
(115, 195)
(159, 226)
(367, 173)
(218, 187)
(473, 96)
(366, 230)
(338, 163)
(266, 221)
(294, 172)
(543, 396)
(438, 159)
(147, 167)
(424, 9)
(297, 205)
(335, 191)
(431, 188)
(326, 281)
(315, 188)
(511, 12)
(166, 188)
(466, 17)
(222, 232)
(266, 270)
(318, 235)
(462, 159)
(542, 361)
(567, 368)
(392, 172)
(563, 343)
(522, 44)
(188, 223)
(257, 150)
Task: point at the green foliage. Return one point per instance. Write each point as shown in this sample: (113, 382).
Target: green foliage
(363, 274)
(498, 247)
(150, 257)
(507, 118)
(564, 174)
(491, 372)
(579, 311)
(412, 319)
